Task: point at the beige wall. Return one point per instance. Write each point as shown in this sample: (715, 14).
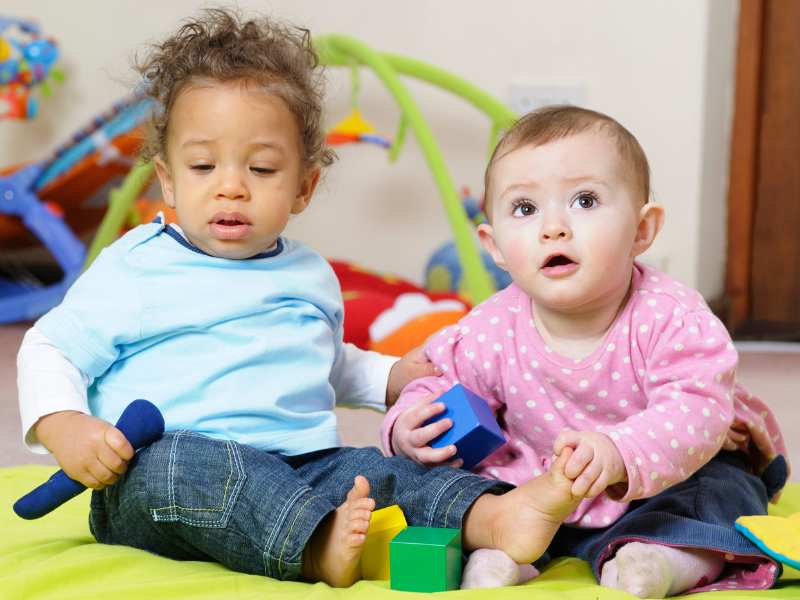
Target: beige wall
(664, 68)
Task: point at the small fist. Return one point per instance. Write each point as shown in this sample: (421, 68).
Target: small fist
(410, 438)
(595, 463)
(89, 450)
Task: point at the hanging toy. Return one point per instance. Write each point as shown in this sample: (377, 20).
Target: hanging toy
(354, 128)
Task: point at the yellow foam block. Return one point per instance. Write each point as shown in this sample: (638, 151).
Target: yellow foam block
(779, 537)
(384, 524)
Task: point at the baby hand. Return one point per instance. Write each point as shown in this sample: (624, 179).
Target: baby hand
(411, 440)
(595, 463)
(738, 437)
(89, 450)
(413, 365)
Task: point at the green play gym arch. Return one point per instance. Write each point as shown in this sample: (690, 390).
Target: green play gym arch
(344, 51)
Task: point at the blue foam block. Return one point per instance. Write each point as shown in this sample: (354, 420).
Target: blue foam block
(475, 431)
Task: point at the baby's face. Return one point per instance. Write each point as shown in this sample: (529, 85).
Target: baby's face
(234, 170)
(564, 220)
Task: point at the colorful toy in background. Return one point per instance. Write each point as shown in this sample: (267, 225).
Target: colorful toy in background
(27, 61)
(443, 272)
(390, 314)
(58, 201)
(354, 128)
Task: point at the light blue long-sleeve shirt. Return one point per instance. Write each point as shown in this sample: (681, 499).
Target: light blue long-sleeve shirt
(234, 349)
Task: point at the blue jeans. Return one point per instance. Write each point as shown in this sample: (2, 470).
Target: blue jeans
(190, 497)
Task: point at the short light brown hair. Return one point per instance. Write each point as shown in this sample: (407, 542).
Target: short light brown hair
(555, 122)
(221, 46)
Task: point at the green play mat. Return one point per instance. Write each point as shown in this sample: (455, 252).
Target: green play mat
(56, 558)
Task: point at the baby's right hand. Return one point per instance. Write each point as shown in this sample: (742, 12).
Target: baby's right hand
(412, 440)
(89, 450)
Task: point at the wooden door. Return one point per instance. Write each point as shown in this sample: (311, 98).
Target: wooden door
(763, 272)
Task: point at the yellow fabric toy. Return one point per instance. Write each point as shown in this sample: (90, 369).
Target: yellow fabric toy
(779, 537)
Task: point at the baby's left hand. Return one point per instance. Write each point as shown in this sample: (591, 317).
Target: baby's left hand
(738, 437)
(595, 463)
(413, 365)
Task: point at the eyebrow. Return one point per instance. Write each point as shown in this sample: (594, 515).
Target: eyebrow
(259, 144)
(533, 184)
(587, 177)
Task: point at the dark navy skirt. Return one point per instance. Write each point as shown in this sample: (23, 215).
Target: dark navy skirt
(697, 513)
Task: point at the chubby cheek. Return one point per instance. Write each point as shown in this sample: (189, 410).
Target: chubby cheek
(518, 255)
(608, 249)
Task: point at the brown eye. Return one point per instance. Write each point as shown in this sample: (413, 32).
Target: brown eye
(523, 209)
(586, 200)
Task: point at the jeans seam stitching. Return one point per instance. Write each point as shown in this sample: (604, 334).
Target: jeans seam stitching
(439, 494)
(453, 501)
(281, 519)
(289, 533)
(234, 463)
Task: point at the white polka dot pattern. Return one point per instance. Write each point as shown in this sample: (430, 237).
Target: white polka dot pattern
(666, 408)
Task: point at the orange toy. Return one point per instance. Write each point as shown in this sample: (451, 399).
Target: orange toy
(390, 314)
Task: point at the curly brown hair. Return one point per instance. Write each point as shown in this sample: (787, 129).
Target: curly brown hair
(221, 46)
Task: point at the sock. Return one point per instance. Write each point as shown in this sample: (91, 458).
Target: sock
(655, 571)
(494, 568)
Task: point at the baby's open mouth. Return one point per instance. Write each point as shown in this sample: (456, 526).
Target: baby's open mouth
(559, 265)
(230, 226)
(558, 260)
(229, 219)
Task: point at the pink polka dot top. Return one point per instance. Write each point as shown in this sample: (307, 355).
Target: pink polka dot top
(661, 385)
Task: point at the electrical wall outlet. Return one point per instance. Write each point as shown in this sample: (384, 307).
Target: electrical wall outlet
(526, 97)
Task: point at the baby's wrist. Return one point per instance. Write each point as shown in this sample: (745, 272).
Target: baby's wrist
(392, 393)
(622, 469)
(393, 445)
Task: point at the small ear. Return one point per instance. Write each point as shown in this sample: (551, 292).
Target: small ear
(651, 219)
(165, 179)
(308, 184)
(486, 237)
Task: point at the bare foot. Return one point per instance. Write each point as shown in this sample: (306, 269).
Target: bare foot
(524, 521)
(333, 553)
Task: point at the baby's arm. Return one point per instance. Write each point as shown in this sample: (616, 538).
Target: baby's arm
(412, 365)
(372, 380)
(460, 359)
(688, 378)
(54, 412)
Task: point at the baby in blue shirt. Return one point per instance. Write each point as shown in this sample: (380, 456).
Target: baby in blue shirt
(235, 333)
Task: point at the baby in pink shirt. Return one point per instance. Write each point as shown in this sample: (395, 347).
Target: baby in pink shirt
(590, 350)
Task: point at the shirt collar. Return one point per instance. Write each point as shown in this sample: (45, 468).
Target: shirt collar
(176, 233)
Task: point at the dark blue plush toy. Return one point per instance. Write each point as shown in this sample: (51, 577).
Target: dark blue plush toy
(141, 423)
